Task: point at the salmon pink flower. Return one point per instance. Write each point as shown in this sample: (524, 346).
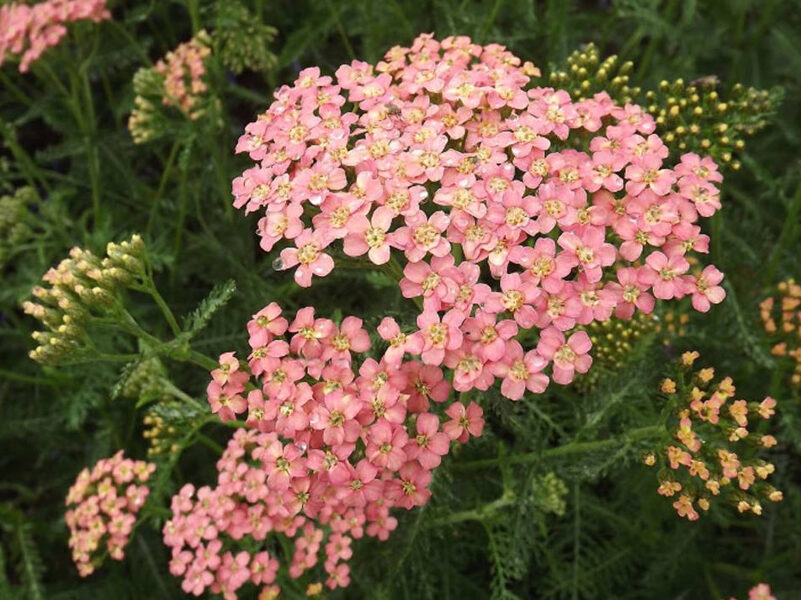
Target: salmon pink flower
(520, 372)
(465, 421)
(664, 273)
(438, 335)
(429, 445)
(308, 256)
(707, 291)
(385, 446)
(568, 356)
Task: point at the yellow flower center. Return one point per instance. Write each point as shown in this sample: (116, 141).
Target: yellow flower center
(375, 237)
(340, 342)
(515, 216)
(565, 353)
(308, 253)
(429, 160)
(512, 300)
(437, 334)
(298, 132)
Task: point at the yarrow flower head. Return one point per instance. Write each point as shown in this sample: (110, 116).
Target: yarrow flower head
(78, 288)
(781, 318)
(102, 507)
(445, 161)
(27, 31)
(177, 81)
(336, 441)
(714, 452)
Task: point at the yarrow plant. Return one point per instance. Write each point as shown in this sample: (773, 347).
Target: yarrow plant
(176, 81)
(77, 291)
(514, 207)
(27, 31)
(338, 440)
(715, 442)
(102, 506)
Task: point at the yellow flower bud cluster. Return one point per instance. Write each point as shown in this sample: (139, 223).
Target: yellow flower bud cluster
(586, 74)
(82, 287)
(144, 381)
(165, 423)
(549, 494)
(612, 343)
(781, 318)
(673, 325)
(241, 40)
(696, 117)
(714, 445)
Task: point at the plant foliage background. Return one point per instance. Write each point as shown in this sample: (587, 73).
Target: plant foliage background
(584, 522)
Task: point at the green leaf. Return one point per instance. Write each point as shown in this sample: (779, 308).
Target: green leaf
(198, 319)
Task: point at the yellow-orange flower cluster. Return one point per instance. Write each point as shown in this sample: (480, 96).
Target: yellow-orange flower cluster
(715, 443)
(781, 317)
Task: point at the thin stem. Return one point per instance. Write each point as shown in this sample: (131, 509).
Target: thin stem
(341, 30)
(165, 310)
(576, 539)
(12, 376)
(476, 514)
(567, 449)
(207, 441)
(180, 394)
(194, 15)
(115, 357)
(154, 205)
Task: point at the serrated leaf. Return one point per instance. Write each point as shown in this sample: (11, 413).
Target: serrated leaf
(198, 319)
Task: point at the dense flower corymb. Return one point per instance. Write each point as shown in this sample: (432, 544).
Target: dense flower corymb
(26, 31)
(102, 507)
(506, 207)
(337, 441)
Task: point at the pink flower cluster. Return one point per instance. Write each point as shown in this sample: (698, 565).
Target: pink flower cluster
(335, 445)
(183, 70)
(513, 207)
(27, 31)
(102, 507)
(760, 592)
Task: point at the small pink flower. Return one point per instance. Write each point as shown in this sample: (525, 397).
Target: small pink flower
(568, 356)
(465, 421)
(665, 273)
(707, 291)
(430, 444)
(308, 256)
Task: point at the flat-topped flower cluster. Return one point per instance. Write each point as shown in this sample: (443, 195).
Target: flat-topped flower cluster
(337, 441)
(102, 508)
(26, 31)
(508, 207)
(716, 439)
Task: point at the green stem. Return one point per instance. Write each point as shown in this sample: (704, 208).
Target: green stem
(165, 310)
(154, 205)
(341, 30)
(115, 357)
(207, 441)
(788, 235)
(194, 15)
(23, 159)
(567, 449)
(13, 376)
(182, 395)
(476, 514)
